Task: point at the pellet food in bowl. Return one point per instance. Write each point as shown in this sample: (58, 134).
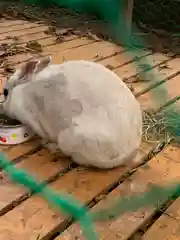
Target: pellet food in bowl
(13, 132)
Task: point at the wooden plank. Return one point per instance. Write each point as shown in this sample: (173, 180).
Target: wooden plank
(172, 153)
(171, 86)
(129, 70)
(5, 31)
(49, 46)
(17, 151)
(165, 227)
(168, 224)
(174, 211)
(34, 218)
(41, 165)
(28, 30)
(163, 70)
(118, 61)
(105, 53)
(4, 148)
(128, 14)
(22, 149)
(161, 169)
(7, 23)
(94, 51)
(39, 36)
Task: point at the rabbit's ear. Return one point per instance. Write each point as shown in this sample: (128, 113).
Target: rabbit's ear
(26, 70)
(43, 63)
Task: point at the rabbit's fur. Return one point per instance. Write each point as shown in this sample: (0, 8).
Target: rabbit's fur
(82, 107)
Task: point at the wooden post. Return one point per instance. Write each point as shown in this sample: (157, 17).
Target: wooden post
(128, 15)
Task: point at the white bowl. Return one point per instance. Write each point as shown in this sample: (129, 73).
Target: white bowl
(15, 134)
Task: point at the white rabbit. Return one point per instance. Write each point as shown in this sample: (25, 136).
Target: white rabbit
(85, 109)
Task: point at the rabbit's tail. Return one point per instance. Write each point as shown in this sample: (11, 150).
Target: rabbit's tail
(102, 152)
(102, 161)
(118, 161)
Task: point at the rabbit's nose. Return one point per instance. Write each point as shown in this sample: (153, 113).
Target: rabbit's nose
(5, 92)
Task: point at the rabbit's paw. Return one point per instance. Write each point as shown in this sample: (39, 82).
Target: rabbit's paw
(53, 148)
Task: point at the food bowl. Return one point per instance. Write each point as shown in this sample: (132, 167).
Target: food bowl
(13, 132)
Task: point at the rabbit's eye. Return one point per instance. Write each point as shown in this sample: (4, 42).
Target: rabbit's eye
(5, 92)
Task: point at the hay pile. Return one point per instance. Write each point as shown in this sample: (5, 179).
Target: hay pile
(161, 126)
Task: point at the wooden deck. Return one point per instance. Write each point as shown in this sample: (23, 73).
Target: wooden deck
(25, 217)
